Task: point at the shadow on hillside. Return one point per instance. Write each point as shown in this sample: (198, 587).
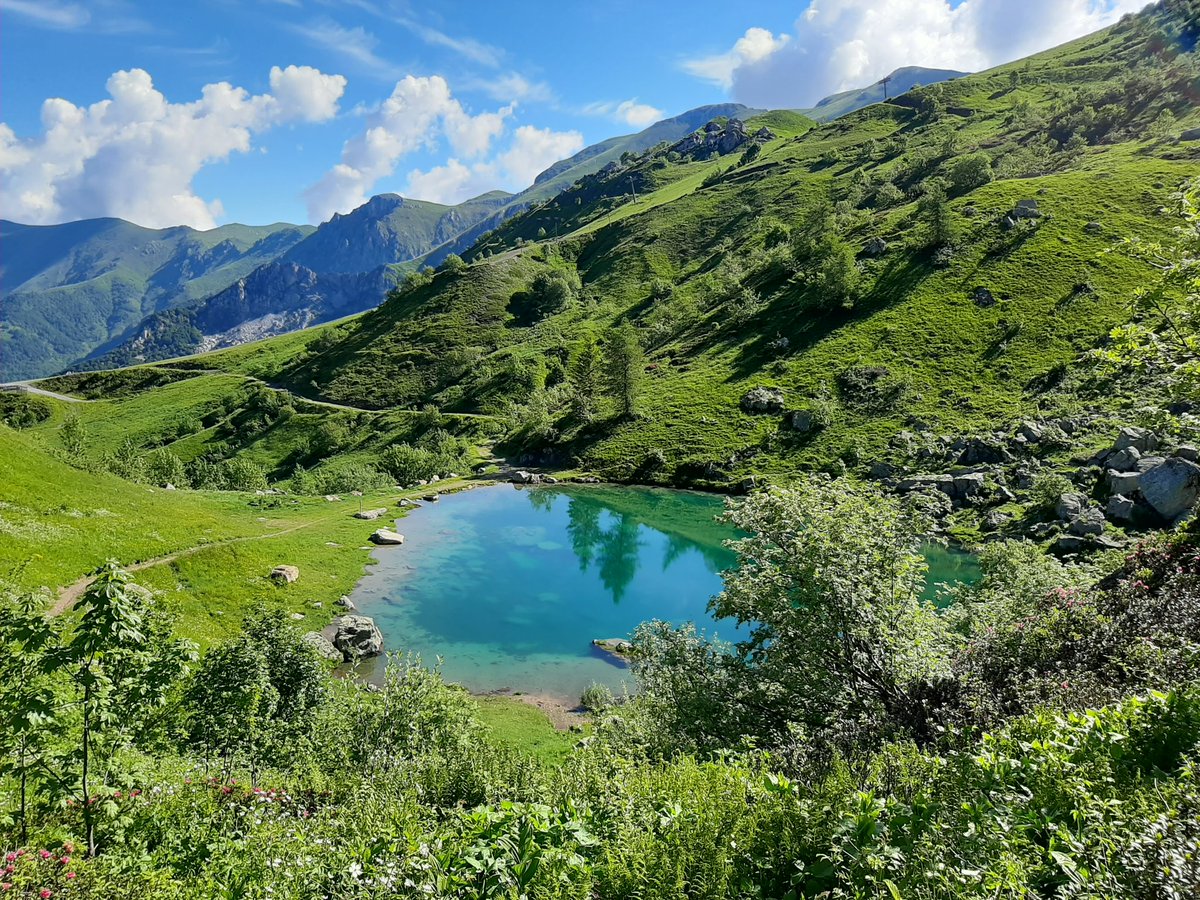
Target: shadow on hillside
(795, 316)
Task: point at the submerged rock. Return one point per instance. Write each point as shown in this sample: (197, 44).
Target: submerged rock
(616, 646)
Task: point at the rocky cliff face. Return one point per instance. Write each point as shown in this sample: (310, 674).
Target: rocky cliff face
(276, 298)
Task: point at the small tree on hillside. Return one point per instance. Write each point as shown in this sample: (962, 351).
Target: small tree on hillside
(585, 376)
(29, 720)
(121, 660)
(73, 435)
(623, 357)
(454, 264)
(933, 212)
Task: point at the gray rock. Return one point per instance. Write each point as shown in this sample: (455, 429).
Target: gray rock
(323, 646)
(345, 603)
(332, 498)
(1146, 463)
(1124, 460)
(1026, 209)
(1123, 482)
(1025, 479)
(1004, 495)
(354, 636)
(285, 574)
(1070, 506)
(1172, 488)
(880, 470)
(971, 485)
(983, 298)
(1188, 452)
(1119, 508)
(1192, 134)
(803, 421)
(1093, 228)
(1145, 441)
(983, 451)
(1031, 431)
(1007, 223)
(524, 477)
(370, 514)
(876, 246)
(995, 520)
(762, 400)
(387, 537)
(943, 483)
(1089, 522)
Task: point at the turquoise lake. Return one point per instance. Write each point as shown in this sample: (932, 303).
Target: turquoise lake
(508, 585)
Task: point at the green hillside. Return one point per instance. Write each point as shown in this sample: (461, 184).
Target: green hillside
(713, 266)
(968, 313)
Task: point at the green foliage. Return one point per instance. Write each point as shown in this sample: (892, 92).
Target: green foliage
(623, 368)
(408, 464)
(933, 211)
(1047, 490)
(597, 698)
(22, 410)
(453, 263)
(585, 375)
(162, 467)
(549, 293)
(969, 172)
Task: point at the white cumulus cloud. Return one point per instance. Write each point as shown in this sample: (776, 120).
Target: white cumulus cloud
(841, 44)
(627, 112)
(135, 155)
(421, 113)
(754, 45)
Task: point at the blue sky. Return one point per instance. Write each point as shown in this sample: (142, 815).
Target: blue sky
(266, 110)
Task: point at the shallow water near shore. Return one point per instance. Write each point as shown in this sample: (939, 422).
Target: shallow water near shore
(509, 586)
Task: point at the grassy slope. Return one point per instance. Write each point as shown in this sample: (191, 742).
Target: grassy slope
(918, 320)
(57, 523)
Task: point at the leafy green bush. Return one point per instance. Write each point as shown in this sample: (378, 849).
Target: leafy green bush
(597, 698)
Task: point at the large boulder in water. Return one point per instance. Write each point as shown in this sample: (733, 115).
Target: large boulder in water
(354, 636)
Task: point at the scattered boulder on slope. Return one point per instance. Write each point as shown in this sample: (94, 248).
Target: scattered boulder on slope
(371, 513)
(763, 400)
(1171, 488)
(285, 574)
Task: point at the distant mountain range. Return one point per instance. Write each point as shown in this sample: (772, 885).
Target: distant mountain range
(104, 292)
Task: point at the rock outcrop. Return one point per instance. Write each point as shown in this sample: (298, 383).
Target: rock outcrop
(354, 636)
